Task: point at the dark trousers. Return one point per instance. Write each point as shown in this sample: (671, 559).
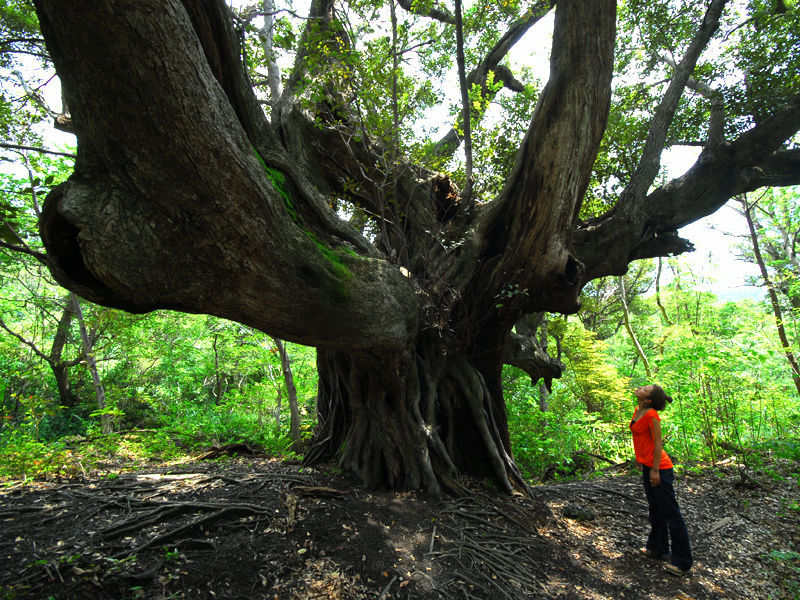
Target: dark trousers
(666, 521)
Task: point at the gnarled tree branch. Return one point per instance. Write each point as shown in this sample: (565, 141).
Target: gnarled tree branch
(120, 185)
(438, 14)
(755, 159)
(449, 142)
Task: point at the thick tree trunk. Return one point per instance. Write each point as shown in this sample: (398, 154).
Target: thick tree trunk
(413, 421)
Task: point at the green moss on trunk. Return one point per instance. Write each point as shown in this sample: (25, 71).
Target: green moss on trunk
(333, 257)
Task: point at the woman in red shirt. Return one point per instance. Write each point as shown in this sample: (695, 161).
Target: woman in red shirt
(666, 521)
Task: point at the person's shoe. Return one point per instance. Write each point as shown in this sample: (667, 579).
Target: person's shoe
(655, 555)
(676, 571)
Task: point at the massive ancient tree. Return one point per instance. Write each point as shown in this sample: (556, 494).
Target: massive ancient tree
(187, 194)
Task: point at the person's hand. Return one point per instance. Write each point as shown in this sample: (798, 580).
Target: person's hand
(655, 477)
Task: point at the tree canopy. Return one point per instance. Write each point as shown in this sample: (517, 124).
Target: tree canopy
(276, 169)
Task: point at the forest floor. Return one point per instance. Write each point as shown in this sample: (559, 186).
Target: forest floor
(259, 528)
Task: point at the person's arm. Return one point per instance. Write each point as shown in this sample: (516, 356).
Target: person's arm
(658, 447)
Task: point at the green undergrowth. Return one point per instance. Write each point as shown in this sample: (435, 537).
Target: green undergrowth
(24, 458)
(183, 434)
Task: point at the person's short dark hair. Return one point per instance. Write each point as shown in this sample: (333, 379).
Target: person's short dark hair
(659, 398)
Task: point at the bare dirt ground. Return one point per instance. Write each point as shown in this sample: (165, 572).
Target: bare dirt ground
(255, 528)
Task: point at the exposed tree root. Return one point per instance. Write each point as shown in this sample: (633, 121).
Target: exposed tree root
(204, 520)
(491, 561)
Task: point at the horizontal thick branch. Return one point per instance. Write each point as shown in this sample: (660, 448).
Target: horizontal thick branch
(200, 225)
(780, 169)
(648, 227)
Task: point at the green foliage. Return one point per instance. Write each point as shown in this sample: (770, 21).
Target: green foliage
(191, 381)
(590, 381)
(763, 62)
(721, 362)
(723, 365)
(786, 565)
(195, 381)
(18, 17)
(23, 457)
(63, 423)
(587, 410)
(786, 449)
(543, 439)
(495, 139)
(171, 555)
(776, 218)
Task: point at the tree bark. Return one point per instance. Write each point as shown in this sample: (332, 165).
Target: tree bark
(272, 241)
(91, 363)
(412, 421)
(723, 170)
(291, 393)
(527, 254)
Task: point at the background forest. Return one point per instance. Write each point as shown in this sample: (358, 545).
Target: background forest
(81, 384)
